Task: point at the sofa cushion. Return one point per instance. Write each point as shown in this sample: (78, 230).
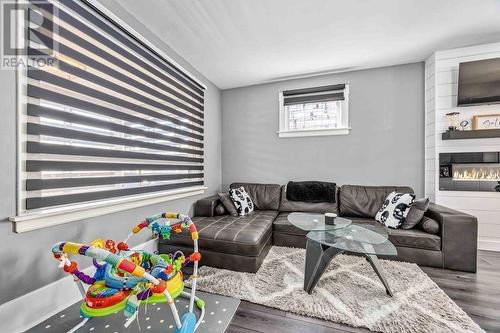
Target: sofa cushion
(243, 235)
(281, 224)
(264, 196)
(362, 220)
(300, 206)
(365, 201)
(413, 238)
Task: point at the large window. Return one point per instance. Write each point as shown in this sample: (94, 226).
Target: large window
(113, 121)
(314, 111)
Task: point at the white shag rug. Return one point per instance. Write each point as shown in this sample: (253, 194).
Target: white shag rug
(349, 292)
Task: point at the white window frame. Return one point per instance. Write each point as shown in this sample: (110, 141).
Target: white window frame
(27, 221)
(285, 132)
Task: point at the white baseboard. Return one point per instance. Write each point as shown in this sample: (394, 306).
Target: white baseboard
(488, 245)
(22, 313)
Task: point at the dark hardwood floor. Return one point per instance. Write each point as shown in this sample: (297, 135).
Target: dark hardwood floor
(478, 294)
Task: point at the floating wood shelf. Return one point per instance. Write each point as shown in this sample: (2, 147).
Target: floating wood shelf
(474, 134)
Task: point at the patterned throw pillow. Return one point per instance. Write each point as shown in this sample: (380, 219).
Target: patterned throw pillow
(395, 209)
(242, 200)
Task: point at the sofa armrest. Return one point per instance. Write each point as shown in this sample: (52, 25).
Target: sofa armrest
(458, 237)
(206, 206)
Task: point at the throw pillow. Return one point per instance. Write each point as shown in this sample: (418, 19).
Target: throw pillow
(429, 225)
(395, 209)
(228, 203)
(417, 211)
(219, 210)
(241, 200)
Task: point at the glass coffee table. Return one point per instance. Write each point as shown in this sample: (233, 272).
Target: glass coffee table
(325, 241)
(316, 222)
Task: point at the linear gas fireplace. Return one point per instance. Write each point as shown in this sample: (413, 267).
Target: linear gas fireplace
(469, 172)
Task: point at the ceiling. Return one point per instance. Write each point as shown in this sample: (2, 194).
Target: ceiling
(243, 42)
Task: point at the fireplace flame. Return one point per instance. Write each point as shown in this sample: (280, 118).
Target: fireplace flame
(474, 173)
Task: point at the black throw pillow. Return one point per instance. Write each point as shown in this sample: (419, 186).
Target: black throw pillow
(311, 191)
(220, 210)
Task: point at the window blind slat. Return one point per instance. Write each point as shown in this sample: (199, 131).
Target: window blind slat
(69, 101)
(39, 166)
(57, 200)
(41, 184)
(37, 129)
(40, 111)
(47, 148)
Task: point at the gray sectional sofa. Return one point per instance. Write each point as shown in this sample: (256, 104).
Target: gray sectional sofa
(242, 242)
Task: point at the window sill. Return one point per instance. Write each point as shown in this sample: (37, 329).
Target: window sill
(315, 132)
(48, 218)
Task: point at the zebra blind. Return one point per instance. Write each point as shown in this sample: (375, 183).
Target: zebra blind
(314, 95)
(112, 119)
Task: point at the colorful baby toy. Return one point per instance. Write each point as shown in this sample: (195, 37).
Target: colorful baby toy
(125, 278)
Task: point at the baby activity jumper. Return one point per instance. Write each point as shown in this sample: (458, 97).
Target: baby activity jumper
(125, 278)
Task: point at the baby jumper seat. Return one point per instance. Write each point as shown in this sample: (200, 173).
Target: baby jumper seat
(125, 278)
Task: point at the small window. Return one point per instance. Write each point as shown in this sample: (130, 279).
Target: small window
(314, 111)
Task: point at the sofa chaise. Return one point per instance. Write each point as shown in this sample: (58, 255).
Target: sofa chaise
(241, 243)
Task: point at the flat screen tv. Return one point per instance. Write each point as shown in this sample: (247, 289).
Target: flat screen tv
(479, 82)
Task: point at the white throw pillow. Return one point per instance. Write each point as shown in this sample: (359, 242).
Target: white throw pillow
(242, 200)
(395, 209)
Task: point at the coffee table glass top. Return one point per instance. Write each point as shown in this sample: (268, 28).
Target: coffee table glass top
(365, 239)
(316, 222)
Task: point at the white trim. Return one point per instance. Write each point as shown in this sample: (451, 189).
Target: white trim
(22, 313)
(127, 27)
(318, 132)
(488, 245)
(47, 218)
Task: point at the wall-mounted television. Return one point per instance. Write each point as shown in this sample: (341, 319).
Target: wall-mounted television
(479, 82)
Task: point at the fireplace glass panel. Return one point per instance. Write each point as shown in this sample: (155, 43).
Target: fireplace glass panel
(476, 172)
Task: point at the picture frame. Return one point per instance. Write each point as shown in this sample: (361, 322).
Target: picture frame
(487, 121)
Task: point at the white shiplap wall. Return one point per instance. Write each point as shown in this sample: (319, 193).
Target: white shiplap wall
(441, 78)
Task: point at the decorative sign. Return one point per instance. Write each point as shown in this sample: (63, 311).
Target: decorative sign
(487, 121)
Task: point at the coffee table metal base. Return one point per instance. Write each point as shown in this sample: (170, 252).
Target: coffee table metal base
(318, 256)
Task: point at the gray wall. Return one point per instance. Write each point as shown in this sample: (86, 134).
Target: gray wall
(385, 146)
(25, 260)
